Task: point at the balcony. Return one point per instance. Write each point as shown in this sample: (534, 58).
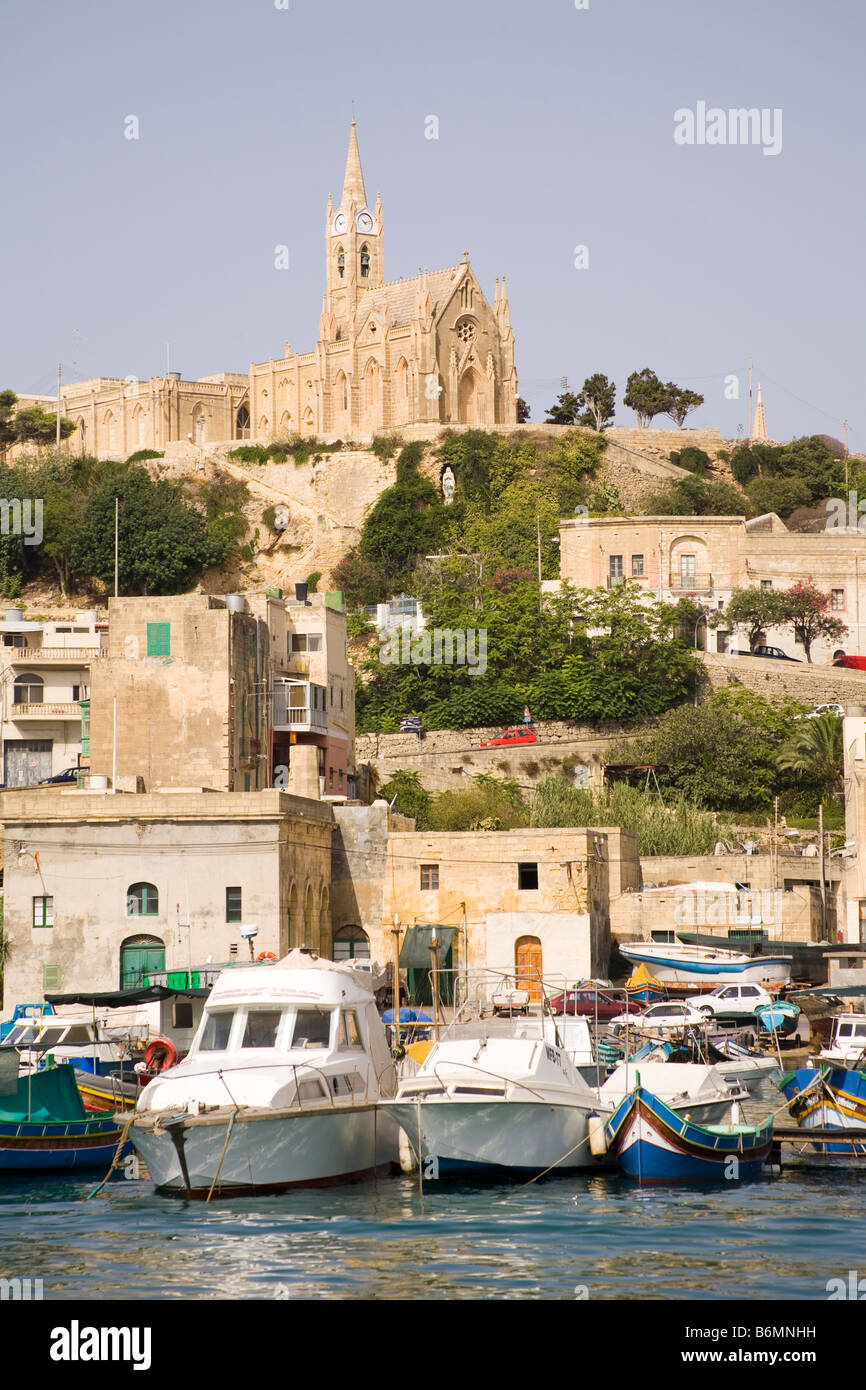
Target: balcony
(57, 709)
(55, 656)
(300, 707)
(691, 583)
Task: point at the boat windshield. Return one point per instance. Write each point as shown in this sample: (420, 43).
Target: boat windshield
(312, 1028)
(261, 1028)
(217, 1027)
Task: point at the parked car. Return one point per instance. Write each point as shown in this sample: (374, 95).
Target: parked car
(511, 736)
(821, 710)
(584, 1000)
(853, 663)
(775, 654)
(667, 1017)
(68, 776)
(737, 1000)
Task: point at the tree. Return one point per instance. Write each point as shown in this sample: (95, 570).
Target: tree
(695, 460)
(164, 542)
(522, 411)
(29, 425)
(597, 400)
(646, 396)
(779, 495)
(362, 582)
(412, 799)
(694, 497)
(755, 610)
(814, 752)
(405, 522)
(807, 612)
(565, 411)
(680, 402)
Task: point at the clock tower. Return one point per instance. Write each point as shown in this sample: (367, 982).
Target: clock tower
(354, 247)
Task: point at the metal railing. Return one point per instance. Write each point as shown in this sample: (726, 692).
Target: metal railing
(691, 583)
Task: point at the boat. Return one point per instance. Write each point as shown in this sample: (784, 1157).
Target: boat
(683, 964)
(652, 1143)
(497, 1106)
(733, 1061)
(24, 1013)
(79, 1039)
(827, 1098)
(847, 1043)
(643, 988)
(695, 1089)
(780, 1017)
(44, 1126)
(280, 1088)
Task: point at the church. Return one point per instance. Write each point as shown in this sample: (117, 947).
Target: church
(429, 349)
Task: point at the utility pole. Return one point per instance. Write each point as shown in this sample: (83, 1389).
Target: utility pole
(824, 936)
(749, 427)
(845, 428)
(59, 367)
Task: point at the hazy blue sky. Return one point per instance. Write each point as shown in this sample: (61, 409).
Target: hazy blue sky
(556, 129)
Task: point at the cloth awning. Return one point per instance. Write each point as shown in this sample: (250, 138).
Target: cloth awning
(119, 998)
(415, 953)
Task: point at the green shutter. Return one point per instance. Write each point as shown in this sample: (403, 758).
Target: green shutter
(50, 979)
(159, 639)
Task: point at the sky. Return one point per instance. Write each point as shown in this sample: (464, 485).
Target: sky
(558, 128)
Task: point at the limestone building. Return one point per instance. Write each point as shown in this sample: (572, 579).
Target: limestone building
(426, 349)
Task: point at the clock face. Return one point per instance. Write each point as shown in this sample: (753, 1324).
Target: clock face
(340, 224)
(365, 222)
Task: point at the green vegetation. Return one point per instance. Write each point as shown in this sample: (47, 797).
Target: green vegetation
(813, 462)
(694, 497)
(695, 460)
(28, 424)
(142, 456)
(676, 826)
(647, 396)
(385, 446)
(804, 608)
(814, 753)
(313, 582)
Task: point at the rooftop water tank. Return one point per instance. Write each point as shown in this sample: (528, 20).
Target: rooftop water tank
(236, 603)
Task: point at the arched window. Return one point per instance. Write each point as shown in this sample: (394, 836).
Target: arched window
(365, 262)
(142, 900)
(198, 423)
(351, 943)
(29, 689)
(111, 427)
(242, 422)
(342, 391)
(341, 263)
(140, 957)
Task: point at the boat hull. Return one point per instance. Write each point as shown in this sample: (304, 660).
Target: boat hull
(832, 1098)
(264, 1151)
(701, 970)
(494, 1137)
(653, 1145)
(56, 1148)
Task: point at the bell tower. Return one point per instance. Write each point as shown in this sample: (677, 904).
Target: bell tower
(354, 244)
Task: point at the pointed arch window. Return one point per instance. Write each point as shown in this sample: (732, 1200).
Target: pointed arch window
(365, 262)
(341, 263)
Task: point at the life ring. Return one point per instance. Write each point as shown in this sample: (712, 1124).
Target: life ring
(160, 1054)
(266, 955)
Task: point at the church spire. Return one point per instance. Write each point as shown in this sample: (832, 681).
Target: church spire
(759, 429)
(353, 183)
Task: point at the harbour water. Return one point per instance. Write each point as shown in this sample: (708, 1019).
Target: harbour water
(592, 1236)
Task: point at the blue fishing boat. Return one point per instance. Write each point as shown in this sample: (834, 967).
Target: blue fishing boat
(779, 1017)
(44, 1126)
(827, 1097)
(652, 1143)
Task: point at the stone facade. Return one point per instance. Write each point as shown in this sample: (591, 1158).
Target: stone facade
(705, 558)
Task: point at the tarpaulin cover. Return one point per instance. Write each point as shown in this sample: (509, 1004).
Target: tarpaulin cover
(415, 953)
(118, 998)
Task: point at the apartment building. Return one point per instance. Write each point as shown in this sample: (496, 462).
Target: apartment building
(45, 679)
(706, 558)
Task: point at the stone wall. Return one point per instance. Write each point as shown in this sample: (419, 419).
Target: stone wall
(778, 680)
(447, 760)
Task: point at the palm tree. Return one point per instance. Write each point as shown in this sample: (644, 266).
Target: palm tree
(814, 752)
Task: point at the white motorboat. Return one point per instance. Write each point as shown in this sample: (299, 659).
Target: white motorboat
(79, 1038)
(682, 964)
(497, 1105)
(847, 1041)
(689, 1088)
(280, 1088)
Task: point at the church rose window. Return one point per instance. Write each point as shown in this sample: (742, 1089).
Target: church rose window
(466, 331)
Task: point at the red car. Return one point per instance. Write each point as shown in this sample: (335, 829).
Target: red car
(519, 734)
(582, 1002)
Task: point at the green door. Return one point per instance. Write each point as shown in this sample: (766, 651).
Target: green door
(139, 957)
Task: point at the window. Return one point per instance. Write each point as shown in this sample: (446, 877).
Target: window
(341, 264)
(766, 583)
(159, 639)
(350, 1033)
(688, 576)
(261, 1029)
(365, 263)
(181, 1013)
(637, 567)
(429, 878)
(251, 644)
(43, 912)
(215, 1034)
(233, 905)
(837, 600)
(341, 697)
(527, 876)
(28, 689)
(51, 978)
(615, 569)
(350, 943)
(306, 641)
(312, 1028)
(142, 900)
(15, 639)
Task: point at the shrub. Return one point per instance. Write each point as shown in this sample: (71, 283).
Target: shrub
(359, 625)
(144, 454)
(385, 446)
(313, 582)
(695, 460)
(250, 453)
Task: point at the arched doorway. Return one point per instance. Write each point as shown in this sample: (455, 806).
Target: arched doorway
(528, 965)
(140, 956)
(242, 423)
(468, 397)
(198, 424)
(350, 943)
